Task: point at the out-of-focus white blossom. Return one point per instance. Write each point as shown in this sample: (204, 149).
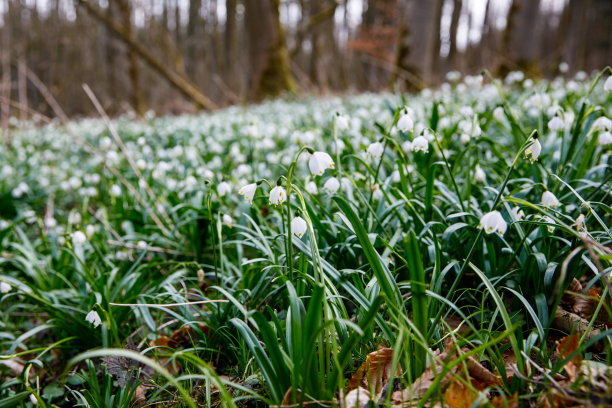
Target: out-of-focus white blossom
(331, 185)
(493, 222)
(549, 200)
(94, 318)
(248, 192)
(227, 220)
(277, 195)
(376, 150)
(311, 187)
(533, 151)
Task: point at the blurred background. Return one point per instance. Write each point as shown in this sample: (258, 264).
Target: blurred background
(176, 56)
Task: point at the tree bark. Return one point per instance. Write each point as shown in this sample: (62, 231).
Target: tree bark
(179, 82)
(452, 51)
(270, 72)
(134, 74)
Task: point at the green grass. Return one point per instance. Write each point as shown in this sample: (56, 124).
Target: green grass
(196, 310)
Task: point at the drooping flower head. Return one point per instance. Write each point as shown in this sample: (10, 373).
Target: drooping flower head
(298, 226)
(227, 220)
(533, 151)
(549, 200)
(493, 222)
(248, 192)
(94, 318)
(311, 187)
(277, 196)
(405, 123)
(331, 185)
(608, 84)
(342, 122)
(420, 144)
(376, 150)
(556, 124)
(319, 162)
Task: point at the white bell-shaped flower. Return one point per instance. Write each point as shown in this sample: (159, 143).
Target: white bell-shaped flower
(311, 187)
(298, 226)
(277, 195)
(94, 318)
(319, 162)
(248, 192)
(533, 151)
(376, 150)
(549, 200)
(405, 123)
(493, 222)
(604, 139)
(550, 223)
(5, 287)
(602, 124)
(78, 238)
(420, 144)
(608, 84)
(331, 185)
(556, 124)
(227, 220)
(342, 122)
(223, 188)
(479, 174)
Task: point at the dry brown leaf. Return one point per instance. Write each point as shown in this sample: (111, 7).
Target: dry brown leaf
(287, 398)
(505, 401)
(374, 372)
(481, 373)
(458, 395)
(357, 398)
(571, 322)
(565, 347)
(15, 366)
(139, 398)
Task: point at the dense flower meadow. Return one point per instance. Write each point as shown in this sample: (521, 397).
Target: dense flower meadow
(450, 247)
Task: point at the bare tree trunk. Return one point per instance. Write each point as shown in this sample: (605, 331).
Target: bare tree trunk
(134, 74)
(433, 55)
(5, 80)
(518, 50)
(269, 59)
(452, 52)
(178, 81)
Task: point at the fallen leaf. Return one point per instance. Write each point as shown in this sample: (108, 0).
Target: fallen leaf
(565, 347)
(503, 401)
(458, 395)
(481, 373)
(357, 398)
(287, 398)
(374, 372)
(15, 366)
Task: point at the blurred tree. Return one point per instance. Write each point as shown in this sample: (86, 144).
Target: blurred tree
(270, 73)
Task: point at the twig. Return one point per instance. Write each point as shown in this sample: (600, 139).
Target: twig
(119, 142)
(124, 244)
(64, 120)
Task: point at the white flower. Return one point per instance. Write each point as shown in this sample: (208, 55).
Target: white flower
(405, 123)
(223, 188)
(331, 185)
(602, 123)
(498, 114)
(556, 124)
(548, 221)
(563, 67)
(90, 230)
(94, 318)
(227, 220)
(342, 122)
(298, 226)
(4, 224)
(141, 245)
(420, 144)
(493, 222)
(549, 200)
(319, 162)
(50, 222)
(533, 151)
(376, 150)
(5, 287)
(580, 223)
(465, 138)
(248, 192)
(311, 187)
(605, 138)
(277, 195)
(78, 238)
(115, 190)
(479, 174)
(518, 213)
(377, 193)
(608, 84)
